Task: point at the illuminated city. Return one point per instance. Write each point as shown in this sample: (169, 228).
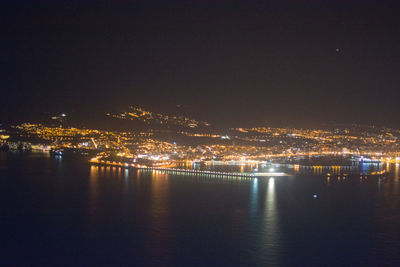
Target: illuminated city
(344, 150)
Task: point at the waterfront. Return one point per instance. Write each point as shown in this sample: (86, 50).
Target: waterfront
(57, 210)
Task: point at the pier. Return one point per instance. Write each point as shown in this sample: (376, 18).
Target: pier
(190, 171)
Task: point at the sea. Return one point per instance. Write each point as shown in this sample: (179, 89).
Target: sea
(65, 211)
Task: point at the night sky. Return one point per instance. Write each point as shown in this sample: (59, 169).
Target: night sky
(227, 62)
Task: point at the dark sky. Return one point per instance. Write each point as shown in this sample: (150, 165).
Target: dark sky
(229, 62)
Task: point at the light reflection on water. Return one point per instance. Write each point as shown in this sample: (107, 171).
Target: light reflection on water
(94, 190)
(254, 198)
(159, 213)
(396, 179)
(271, 225)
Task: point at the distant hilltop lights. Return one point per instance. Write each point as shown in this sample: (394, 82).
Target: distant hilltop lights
(60, 117)
(148, 117)
(4, 137)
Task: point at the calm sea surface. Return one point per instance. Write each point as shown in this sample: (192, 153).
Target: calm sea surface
(66, 212)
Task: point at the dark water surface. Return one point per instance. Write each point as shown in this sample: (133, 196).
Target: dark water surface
(65, 211)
